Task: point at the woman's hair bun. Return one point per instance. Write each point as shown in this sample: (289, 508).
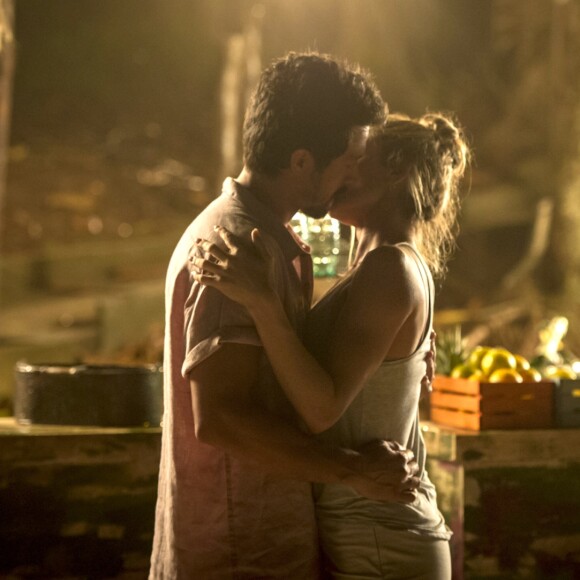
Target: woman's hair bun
(449, 138)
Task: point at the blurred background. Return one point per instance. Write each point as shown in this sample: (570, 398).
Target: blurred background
(120, 119)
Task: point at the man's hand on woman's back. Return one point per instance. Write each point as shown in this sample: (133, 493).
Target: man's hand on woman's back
(386, 471)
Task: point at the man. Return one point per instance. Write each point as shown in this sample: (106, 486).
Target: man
(234, 495)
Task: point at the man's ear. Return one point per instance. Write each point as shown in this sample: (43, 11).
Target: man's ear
(302, 162)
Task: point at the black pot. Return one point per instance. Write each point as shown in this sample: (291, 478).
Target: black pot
(96, 395)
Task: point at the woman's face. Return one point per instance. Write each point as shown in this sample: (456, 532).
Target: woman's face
(357, 203)
(337, 175)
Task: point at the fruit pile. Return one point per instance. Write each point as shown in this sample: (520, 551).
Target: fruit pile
(499, 365)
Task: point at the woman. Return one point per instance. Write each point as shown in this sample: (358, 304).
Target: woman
(360, 378)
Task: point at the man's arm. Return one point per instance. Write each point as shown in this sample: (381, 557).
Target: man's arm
(227, 415)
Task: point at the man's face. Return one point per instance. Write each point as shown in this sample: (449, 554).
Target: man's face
(339, 174)
(353, 204)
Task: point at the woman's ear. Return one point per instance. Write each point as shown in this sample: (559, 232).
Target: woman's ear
(302, 162)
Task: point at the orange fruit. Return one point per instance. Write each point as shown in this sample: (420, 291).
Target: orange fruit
(530, 375)
(522, 363)
(505, 376)
(563, 372)
(476, 356)
(476, 375)
(497, 358)
(461, 371)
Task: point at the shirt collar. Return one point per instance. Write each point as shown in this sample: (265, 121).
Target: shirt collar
(290, 243)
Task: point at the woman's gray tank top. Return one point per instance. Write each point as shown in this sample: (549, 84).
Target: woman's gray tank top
(386, 408)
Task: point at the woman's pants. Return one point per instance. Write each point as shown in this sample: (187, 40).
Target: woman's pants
(359, 551)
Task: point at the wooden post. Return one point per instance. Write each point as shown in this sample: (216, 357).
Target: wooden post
(240, 75)
(230, 95)
(565, 151)
(6, 74)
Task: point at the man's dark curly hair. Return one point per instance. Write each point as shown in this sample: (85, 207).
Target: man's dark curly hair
(307, 101)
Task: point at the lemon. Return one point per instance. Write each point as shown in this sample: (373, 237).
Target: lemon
(505, 376)
(497, 358)
(476, 375)
(461, 371)
(522, 363)
(530, 375)
(476, 355)
(563, 372)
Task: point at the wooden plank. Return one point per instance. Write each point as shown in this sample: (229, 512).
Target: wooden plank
(461, 420)
(462, 386)
(522, 421)
(516, 417)
(516, 390)
(453, 401)
(523, 404)
(528, 448)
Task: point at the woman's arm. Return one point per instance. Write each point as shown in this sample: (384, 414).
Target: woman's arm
(378, 304)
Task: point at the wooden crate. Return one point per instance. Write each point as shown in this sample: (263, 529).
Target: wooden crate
(567, 403)
(479, 406)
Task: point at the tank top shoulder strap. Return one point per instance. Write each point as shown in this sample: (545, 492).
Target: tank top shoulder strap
(428, 284)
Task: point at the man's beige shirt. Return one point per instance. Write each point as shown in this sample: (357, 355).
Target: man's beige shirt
(218, 517)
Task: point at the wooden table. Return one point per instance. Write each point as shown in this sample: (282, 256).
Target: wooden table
(76, 502)
(512, 499)
(77, 499)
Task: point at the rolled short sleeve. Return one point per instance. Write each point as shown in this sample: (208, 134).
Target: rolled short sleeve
(212, 320)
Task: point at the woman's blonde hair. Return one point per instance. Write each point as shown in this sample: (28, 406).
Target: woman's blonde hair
(427, 158)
